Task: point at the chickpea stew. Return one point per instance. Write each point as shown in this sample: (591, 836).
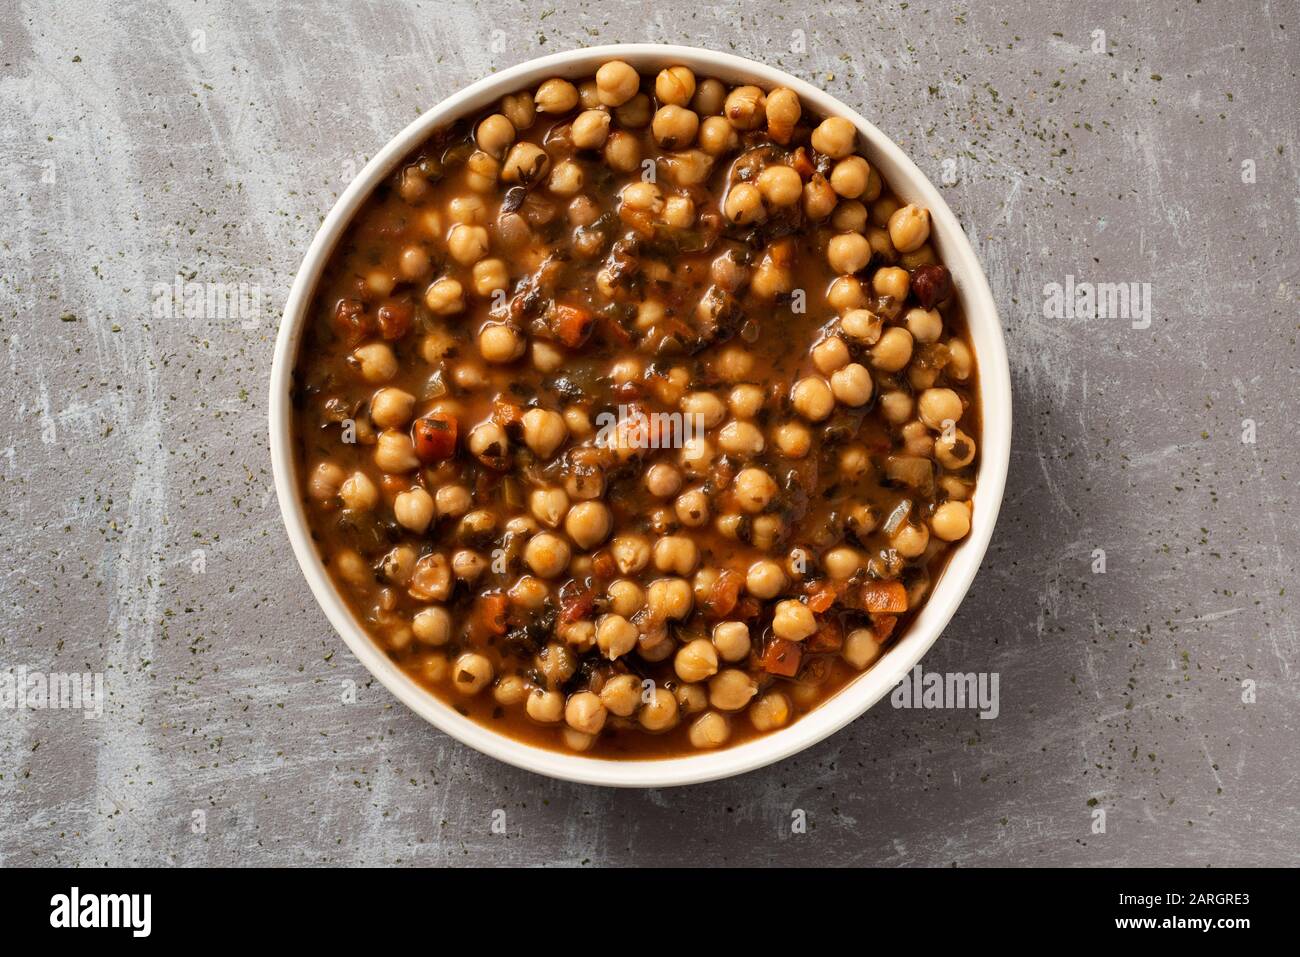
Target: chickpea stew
(636, 415)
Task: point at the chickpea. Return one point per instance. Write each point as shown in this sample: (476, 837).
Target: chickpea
(954, 449)
(917, 439)
(547, 554)
(488, 443)
(395, 453)
(835, 137)
(842, 563)
(951, 521)
(850, 216)
(731, 640)
(445, 297)
(590, 130)
(741, 439)
(819, 199)
(621, 694)
(494, 134)
(793, 620)
(679, 212)
(622, 152)
(691, 699)
(626, 598)
(780, 185)
(467, 244)
(358, 492)
(500, 343)
(861, 648)
(849, 177)
(675, 86)
(848, 252)
(413, 262)
(670, 598)
(471, 673)
(659, 712)
(631, 553)
(710, 96)
(519, 109)
(526, 163)
(696, 661)
(692, 508)
(783, 113)
(709, 730)
(544, 707)
(589, 95)
(734, 364)
(490, 275)
(566, 179)
(909, 228)
(717, 137)
(706, 405)
(745, 107)
(375, 361)
(413, 509)
(882, 209)
(431, 625)
(765, 579)
(588, 523)
(846, 294)
(812, 398)
(731, 689)
(830, 354)
(544, 432)
(766, 531)
(644, 196)
(960, 361)
(556, 96)
(676, 553)
(925, 325)
(852, 385)
(615, 635)
(325, 481)
(662, 480)
(468, 565)
(937, 407)
(616, 83)
(891, 281)
(510, 690)
(910, 540)
(585, 712)
(546, 356)
(754, 489)
(744, 204)
(636, 112)
(674, 127)
(893, 351)
(452, 500)
(549, 506)
(793, 439)
(482, 172)
(770, 712)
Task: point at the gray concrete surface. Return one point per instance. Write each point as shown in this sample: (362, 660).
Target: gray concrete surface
(141, 539)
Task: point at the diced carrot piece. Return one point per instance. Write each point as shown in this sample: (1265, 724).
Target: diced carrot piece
(490, 614)
(781, 657)
(434, 437)
(883, 596)
(821, 598)
(571, 324)
(724, 593)
(829, 637)
(883, 626)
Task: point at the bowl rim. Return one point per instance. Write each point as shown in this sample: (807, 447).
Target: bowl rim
(858, 695)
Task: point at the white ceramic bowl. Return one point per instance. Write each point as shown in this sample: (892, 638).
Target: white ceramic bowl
(995, 384)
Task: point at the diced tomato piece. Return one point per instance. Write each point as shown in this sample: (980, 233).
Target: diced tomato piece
(351, 321)
(781, 657)
(571, 324)
(576, 602)
(829, 637)
(395, 318)
(507, 414)
(603, 565)
(888, 597)
(724, 594)
(883, 626)
(434, 437)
